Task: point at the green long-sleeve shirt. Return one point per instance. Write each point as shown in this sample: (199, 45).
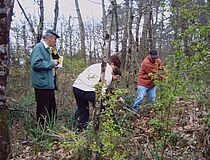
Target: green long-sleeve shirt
(41, 65)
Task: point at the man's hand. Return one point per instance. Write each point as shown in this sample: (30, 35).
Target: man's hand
(153, 76)
(150, 74)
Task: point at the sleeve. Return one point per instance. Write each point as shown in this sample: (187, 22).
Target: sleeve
(160, 65)
(38, 62)
(108, 79)
(149, 69)
(145, 76)
(108, 75)
(155, 69)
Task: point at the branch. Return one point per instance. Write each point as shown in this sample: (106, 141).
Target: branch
(30, 24)
(193, 68)
(20, 110)
(124, 106)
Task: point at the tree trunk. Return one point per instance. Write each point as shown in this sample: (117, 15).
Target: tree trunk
(150, 28)
(29, 22)
(25, 46)
(24, 40)
(125, 33)
(56, 11)
(70, 37)
(61, 49)
(129, 33)
(208, 39)
(6, 11)
(104, 20)
(116, 27)
(145, 31)
(38, 35)
(108, 31)
(140, 12)
(130, 56)
(82, 30)
(41, 21)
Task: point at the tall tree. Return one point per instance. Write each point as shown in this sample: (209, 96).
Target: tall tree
(56, 11)
(82, 30)
(108, 30)
(70, 35)
(40, 25)
(116, 27)
(125, 32)
(146, 30)
(24, 39)
(104, 20)
(138, 21)
(129, 33)
(41, 21)
(6, 12)
(208, 39)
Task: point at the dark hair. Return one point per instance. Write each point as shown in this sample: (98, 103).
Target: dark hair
(115, 60)
(117, 71)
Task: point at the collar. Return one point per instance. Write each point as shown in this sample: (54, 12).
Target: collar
(150, 59)
(45, 45)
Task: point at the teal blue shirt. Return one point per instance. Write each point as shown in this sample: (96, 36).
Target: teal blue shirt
(41, 66)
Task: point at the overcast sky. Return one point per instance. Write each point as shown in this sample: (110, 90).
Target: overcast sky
(88, 8)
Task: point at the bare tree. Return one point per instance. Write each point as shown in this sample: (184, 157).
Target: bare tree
(41, 21)
(208, 5)
(6, 7)
(104, 20)
(125, 33)
(24, 39)
(140, 12)
(56, 11)
(89, 40)
(82, 30)
(108, 30)
(40, 25)
(61, 50)
(150, 27)
(116, 26)
(70, 36)
(17, 39)
(146, 30)
(129, 33)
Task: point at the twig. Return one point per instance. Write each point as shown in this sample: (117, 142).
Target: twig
(20, 110)
(29, 22)
(126, 107)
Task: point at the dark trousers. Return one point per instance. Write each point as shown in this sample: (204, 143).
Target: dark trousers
(46, 106)
(82, 99)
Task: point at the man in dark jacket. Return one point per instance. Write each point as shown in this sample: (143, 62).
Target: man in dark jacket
(42, 66)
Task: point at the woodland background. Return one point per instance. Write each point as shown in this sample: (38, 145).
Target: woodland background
(175, 127)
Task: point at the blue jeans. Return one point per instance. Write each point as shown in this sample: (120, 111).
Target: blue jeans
(151, 93)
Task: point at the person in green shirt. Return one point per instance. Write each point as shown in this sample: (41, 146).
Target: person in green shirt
(42, 66)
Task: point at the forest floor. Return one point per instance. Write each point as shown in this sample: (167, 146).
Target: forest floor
(194, 142)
